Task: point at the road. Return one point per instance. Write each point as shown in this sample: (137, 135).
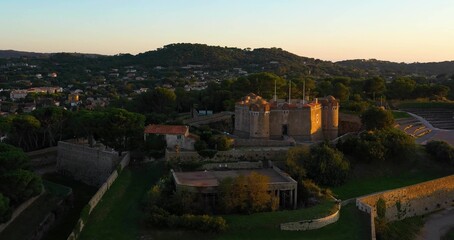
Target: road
(437, 225)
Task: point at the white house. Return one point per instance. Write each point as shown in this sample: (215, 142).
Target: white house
(175, 135)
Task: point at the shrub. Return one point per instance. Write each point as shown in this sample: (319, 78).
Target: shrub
(207, 153)
(5, 210)
(441, 151)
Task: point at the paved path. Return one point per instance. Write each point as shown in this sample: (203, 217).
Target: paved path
(437, 225)
(435, 134)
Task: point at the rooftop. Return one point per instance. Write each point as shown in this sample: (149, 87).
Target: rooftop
(212, 178)
(166, 129)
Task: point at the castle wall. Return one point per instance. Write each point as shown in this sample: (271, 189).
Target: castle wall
(276, 122)
(299, 126)
(259, 124)
(330, 120)
(316, 117)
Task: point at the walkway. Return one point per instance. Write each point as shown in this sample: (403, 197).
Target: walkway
(437, 225)
(435, 134)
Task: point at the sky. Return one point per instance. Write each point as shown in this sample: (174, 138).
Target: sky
(393, 30)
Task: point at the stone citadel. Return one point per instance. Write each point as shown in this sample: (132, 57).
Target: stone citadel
(279, 119)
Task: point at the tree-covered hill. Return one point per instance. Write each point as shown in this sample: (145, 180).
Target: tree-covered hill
(384, 68)
(276, 60)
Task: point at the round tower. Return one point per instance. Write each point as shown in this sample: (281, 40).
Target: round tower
(259, 120)
(330, 117)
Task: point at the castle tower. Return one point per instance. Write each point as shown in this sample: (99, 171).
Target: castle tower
(259, 120)
(330, 117)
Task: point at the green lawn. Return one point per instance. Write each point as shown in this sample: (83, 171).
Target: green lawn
(400, 115)
(352, 224)
(449, 235)
(406, 229)
(118, 215)
(413, 104)
(82, 193)
(370, 178)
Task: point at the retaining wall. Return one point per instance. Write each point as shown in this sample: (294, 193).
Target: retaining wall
(240, 142)
(312, 223)
(98, 196)
(414, 200)
(246, 154)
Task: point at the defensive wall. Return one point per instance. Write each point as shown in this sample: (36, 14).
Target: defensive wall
(91, 165)
(414, 200)
(97, 197)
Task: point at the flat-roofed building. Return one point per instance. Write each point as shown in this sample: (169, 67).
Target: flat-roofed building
(206, 183)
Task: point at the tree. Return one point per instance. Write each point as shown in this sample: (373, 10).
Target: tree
(24, 131)
(341, 92)
(325, 88)
(53, 120)
(327, 166)
(12, 158)
(19, 185)
(5, 210)
(375, 86)
(441, 151)
(158, 100)
(401, 88)
(377, 118)
(246, 194)
(121, 128)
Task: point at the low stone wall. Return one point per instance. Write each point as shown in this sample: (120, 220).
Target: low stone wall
(98, 196)
(91, 165)
(414, 200)
(242, 154)
(240, 142)
(233, 165)
(312, 223)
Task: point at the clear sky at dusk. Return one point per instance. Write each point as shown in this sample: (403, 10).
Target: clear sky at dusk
(397, 30)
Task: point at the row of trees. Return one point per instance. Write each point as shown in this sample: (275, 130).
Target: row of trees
(44, 127)
(17, 182)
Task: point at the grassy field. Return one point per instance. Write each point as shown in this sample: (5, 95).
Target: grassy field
(406, 229)
(81, 195)
(352, 225)
(370, 178)
(400, 115)
(413, 104)
(449, 235)
(118, 215)
(24, 225)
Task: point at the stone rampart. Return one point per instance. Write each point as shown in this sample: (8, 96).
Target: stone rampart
(91, 165)
(312, 223)
(98, 196)
(414, 200)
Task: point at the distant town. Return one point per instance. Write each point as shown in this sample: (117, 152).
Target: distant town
(206, 142)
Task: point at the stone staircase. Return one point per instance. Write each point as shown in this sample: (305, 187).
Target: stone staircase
(438, 117)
